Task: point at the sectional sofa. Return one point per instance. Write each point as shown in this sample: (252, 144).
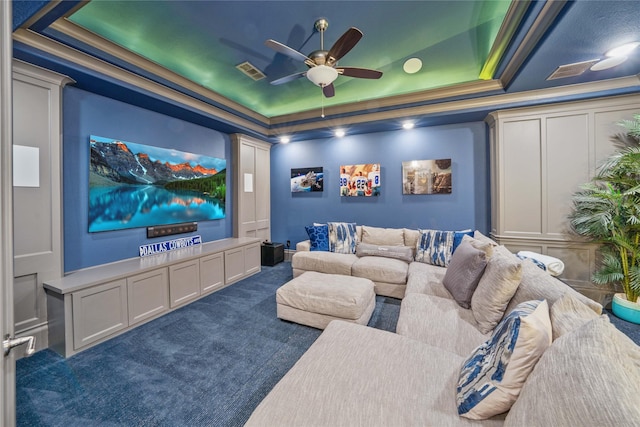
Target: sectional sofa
(488, 339)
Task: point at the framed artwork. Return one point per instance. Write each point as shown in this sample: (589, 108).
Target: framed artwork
(133, 185)
(360, 180)
(307, 179)
(426, 177)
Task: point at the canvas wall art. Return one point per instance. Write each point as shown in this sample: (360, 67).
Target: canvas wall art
(360, 180)
(307, 179)
(133, 185)
(426, 177)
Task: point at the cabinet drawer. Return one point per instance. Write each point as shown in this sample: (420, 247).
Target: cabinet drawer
(184, 282)
(211, 272)
(148, 295)
(99, 312)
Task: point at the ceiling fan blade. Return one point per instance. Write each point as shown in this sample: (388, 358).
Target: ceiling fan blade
(329, 90)
(360, 73)
(285, 50)
(287, 79)
(345, 43)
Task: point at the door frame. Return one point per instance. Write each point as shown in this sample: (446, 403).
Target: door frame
(8, 371)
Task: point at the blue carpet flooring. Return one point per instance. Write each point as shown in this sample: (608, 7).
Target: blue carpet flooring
(207, 364)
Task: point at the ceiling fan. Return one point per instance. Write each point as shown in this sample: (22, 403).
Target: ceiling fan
(323, 69)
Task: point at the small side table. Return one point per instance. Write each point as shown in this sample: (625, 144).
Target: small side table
(272, 253)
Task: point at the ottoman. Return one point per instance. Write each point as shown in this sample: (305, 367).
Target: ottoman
(315, 299)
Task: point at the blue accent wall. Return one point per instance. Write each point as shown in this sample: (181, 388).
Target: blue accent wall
(86, 114)
(468, 206)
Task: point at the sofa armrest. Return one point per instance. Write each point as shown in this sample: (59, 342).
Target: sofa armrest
(303, 246)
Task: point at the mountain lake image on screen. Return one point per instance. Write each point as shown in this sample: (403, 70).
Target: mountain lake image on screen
(133, 185)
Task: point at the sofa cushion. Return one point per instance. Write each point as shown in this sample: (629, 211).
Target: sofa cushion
(381, 269)
(435, 247)
(497, 286)
(426, 279)
(318, 237)
(342, 237)
(465, 269)
(493, 375)
(403, 253)
(411, 237)
(590, 376)
(382, 236)
(439, 322)
(537, 284)
(567, 314)
(358, 376)
(323, 262)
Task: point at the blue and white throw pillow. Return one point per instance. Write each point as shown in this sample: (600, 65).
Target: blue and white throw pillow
(458, 236)
(492, 377)
(318, 237)
(342, 237)
(434, 247)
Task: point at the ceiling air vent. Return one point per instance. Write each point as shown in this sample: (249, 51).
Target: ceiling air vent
(570, 70)
(251, 71)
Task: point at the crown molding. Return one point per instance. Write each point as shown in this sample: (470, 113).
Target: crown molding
(543, 21)
(463, 89)
(64, 52)
(70, 29)
(482, 103)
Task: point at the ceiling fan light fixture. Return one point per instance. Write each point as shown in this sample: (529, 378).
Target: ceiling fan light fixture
(322, 75)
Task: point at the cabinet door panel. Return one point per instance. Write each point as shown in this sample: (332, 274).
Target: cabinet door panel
(148, 295)
(184, 282)
(99, 312)
(211, 272)
(233, 265)
(252, 259)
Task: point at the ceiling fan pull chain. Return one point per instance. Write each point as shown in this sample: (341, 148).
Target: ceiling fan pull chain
(322, 103)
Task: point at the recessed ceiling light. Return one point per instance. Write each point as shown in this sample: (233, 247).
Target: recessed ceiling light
(605, 64)
(339, 133)
(412, 65)
(284, 139)
(407, 125)
(623, 50)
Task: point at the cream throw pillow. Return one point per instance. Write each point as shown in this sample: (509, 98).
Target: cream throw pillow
(497, 286)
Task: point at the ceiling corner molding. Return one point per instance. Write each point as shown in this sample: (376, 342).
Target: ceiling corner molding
(510, 24)
(543, 21)
(34, 71)
(356, 108)
(45, 44)
(70, 29)
(497, 102)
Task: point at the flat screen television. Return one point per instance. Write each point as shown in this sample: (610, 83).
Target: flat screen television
(133, 185)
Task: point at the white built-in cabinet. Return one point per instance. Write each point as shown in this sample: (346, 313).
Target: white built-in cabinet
(98, 303)
(539, 158)
(252, 190)
(37, 209)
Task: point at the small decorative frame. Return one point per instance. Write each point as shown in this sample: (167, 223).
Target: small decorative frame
(426, 176)
(307, 179)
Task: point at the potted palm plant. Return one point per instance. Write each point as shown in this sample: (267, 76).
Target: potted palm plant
(607, 211)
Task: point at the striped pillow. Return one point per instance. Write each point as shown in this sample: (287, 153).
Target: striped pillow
(434, 247)
(492, 377)
(342, 237)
